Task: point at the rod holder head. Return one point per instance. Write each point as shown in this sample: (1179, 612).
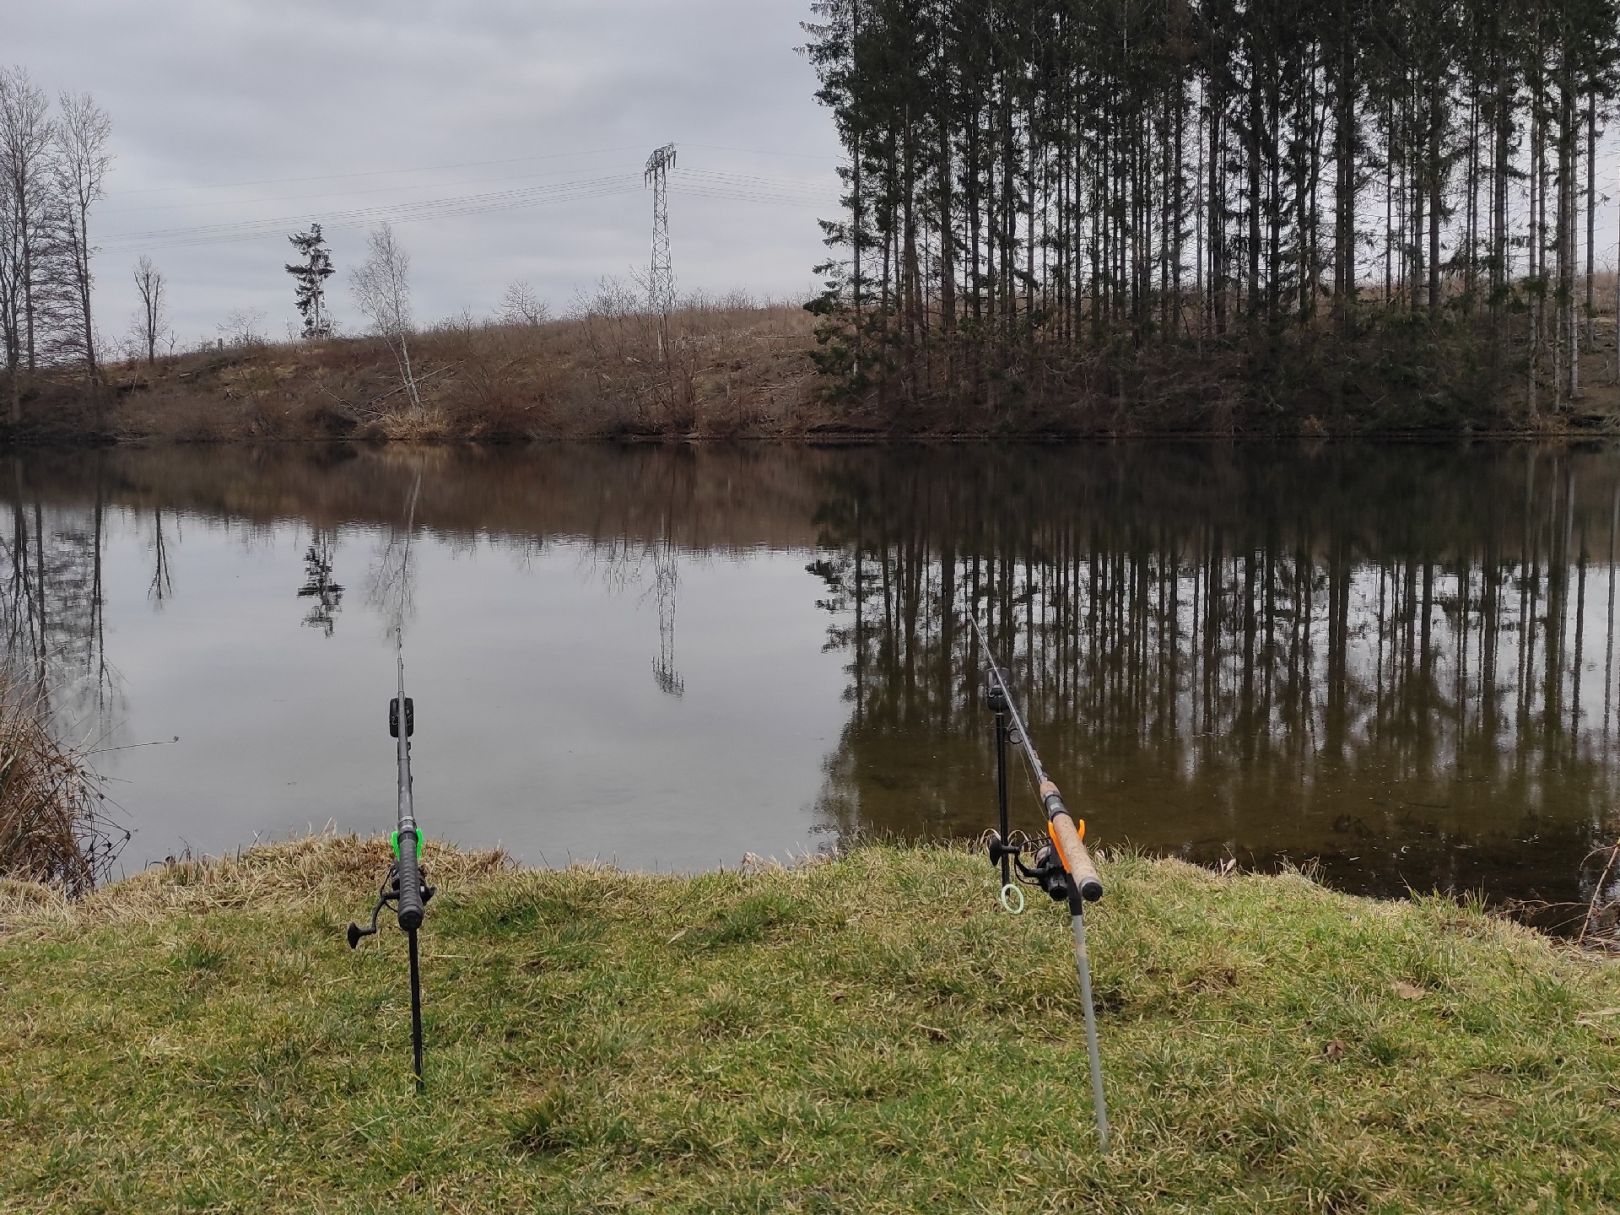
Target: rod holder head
(994, 698)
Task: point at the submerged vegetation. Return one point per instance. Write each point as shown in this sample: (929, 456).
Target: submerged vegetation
(866, 1033)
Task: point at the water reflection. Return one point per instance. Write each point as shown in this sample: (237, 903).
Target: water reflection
(51, 600)
(1397, 660)
(321, 587)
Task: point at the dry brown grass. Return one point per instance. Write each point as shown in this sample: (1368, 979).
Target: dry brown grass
(301, 872)
(730, 367)
(733, 368)
(51, 827)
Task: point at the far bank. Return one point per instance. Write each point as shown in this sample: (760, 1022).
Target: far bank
(740, 371)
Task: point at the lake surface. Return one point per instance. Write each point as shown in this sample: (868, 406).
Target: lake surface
(1395, 661)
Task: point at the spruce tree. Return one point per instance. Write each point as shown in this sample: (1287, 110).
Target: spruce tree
(310, 277)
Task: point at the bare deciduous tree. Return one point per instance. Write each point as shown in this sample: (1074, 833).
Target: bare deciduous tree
(25, 144)
(520, 305)
(382, 292)
(80, 163)
(152, 321)
(11, 294)
(242, 328)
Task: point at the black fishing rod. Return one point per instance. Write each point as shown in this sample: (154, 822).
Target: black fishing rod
(1061, 865)
(405, 889)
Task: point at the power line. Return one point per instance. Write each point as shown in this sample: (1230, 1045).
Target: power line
(401, 212)
(718, 185)
(810, 204)
(720, 147)
(465, 164)
(364, 211)
(779, 184)
(401, 186)
(444, 213)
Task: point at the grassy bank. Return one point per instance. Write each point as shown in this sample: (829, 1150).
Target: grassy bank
(867, 1034)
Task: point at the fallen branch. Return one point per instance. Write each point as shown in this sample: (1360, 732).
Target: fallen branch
(1597, 891)
(366, 412)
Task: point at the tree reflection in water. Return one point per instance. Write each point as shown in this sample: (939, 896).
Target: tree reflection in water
(1397, 661)
(321, 587)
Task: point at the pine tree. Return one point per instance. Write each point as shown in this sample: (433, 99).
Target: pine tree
(310, 275)
(1039, 192)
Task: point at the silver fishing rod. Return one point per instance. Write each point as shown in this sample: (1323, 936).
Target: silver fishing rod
(1062, 866)
(405, 888)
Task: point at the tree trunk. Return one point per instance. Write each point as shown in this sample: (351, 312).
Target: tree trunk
(1591, 222)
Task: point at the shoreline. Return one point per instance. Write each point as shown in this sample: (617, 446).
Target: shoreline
(837, 439)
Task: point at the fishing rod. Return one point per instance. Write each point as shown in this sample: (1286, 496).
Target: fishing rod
(1061, 865)
(405, 890)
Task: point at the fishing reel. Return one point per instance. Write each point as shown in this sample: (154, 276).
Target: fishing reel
(387, 897)
(1046, 873)
(995, 698)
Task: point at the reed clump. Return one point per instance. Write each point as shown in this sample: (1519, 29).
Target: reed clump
(52, 826)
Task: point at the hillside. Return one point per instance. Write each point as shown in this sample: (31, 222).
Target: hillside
(745, 371)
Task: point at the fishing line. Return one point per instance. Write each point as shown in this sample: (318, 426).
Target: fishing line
(362, 216)
(465, 164)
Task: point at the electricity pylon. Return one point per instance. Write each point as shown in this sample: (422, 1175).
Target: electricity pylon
(661, 284)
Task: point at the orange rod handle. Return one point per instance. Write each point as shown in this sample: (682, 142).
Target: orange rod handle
(1067, 839)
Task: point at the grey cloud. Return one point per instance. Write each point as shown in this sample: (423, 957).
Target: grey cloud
(204, 93)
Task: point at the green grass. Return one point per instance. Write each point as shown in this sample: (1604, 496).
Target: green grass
(864, 1035)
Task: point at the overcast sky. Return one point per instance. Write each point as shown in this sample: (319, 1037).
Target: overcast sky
(517, 128)
(503, 138)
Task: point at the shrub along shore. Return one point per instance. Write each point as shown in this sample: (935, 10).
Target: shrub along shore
(52, 826)
(739, 370)
(868, 1033)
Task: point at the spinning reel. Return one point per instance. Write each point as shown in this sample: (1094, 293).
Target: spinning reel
(1009, 848)
(388, 896)
(1046, 873)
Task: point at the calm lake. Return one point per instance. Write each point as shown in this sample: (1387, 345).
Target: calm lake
(1396, 661)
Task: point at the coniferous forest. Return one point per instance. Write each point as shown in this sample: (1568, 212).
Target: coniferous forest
(1215, 213)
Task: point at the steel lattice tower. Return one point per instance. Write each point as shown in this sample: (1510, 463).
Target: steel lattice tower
(661, 284)
(667, 580)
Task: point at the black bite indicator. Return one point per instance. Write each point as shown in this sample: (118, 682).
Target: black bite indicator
(410, 717)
